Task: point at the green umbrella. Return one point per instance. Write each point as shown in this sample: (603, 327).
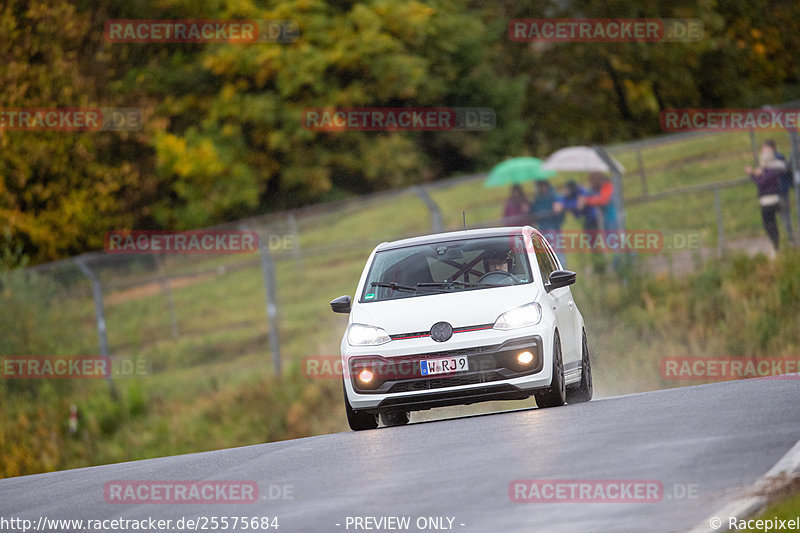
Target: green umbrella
(516, 171)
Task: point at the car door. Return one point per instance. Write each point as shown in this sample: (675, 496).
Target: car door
(561, 302)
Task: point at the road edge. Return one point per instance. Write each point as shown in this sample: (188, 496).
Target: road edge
(747, 505)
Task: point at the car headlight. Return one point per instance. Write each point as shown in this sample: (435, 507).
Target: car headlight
(363, 335)
(525, 315)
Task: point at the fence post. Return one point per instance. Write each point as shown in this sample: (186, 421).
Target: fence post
(166, 285)
(100, 315)
(754, 147)
(433, 208)
(795, 160)
(271, 287)
(268, 267)
(641, 170)
(720, 228)
(298, 257)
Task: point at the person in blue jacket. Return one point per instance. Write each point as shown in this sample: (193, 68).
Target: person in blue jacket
(547, 212)
(587, 213)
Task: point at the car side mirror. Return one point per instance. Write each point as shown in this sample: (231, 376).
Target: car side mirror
(341, 304)
(560, 278)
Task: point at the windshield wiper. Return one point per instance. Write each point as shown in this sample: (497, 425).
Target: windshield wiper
(450, 284)
(434, 285)
(397, 287)
(394, 286)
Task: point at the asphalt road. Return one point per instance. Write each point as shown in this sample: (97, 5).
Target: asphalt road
(704, 445)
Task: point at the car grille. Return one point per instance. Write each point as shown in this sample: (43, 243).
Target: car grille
(455, 381)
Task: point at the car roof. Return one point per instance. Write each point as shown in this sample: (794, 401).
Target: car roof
(456, 235)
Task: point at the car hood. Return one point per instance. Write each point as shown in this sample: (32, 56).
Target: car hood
(460, 309)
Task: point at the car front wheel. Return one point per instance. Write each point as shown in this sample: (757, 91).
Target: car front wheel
(556, 394)
(358, 420)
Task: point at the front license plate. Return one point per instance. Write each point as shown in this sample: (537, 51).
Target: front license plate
(445, 365)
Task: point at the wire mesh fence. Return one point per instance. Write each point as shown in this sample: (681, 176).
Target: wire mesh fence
(181, 309)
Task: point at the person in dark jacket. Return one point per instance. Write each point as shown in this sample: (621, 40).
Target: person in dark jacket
(589, 215)
(784, 190)
(547, 211)
(515, 211)
(767, 179)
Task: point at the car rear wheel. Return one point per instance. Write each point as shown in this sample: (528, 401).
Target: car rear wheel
(358, 420)
(556, 394)
(395, 418)
(583, 392)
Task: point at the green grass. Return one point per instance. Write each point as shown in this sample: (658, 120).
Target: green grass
(214, 387)
(785, 505)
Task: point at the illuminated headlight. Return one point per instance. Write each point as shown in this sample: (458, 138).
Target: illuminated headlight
(363, 335)
(525, 315)
(365, 376)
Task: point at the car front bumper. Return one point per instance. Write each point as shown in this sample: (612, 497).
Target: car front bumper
(493, 374)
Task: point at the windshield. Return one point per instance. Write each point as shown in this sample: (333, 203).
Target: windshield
(448, 266)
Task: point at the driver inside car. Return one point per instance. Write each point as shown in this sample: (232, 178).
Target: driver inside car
(496, 261)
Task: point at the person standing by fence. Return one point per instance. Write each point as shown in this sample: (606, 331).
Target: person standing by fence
(784, 190)
(515, 211)
(601, 197)
(547, 212)
(587, 213)
(767, 178)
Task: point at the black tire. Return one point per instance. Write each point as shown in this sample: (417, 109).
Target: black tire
(556, 394)
(395, 418)
(358, 420)
(583, 392)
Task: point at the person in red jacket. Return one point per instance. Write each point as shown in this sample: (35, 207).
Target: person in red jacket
(602, 197)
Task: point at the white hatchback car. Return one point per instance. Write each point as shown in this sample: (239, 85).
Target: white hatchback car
(459, 318)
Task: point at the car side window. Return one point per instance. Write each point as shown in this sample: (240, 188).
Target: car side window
(552, 255)
(546, 265)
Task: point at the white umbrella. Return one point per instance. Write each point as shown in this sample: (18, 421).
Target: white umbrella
(579, 159)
